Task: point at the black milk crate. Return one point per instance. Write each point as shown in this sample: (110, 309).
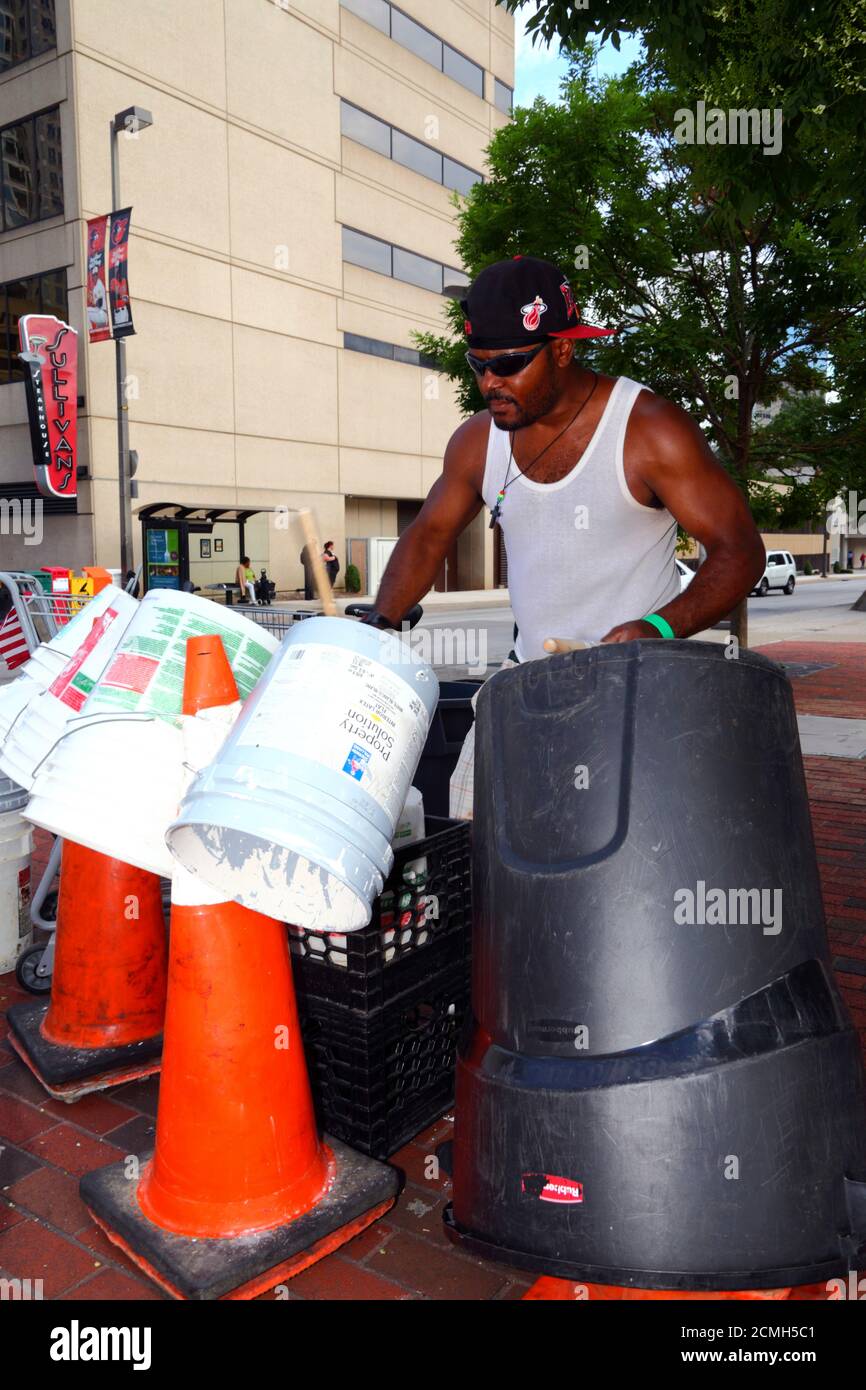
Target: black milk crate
(418, 928)
(379, 1079)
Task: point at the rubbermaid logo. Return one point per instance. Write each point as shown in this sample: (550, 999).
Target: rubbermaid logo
(552, 1189)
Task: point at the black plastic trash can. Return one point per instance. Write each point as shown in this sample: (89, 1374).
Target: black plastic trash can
(661, 1086)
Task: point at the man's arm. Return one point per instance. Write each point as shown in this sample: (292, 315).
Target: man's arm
(680, 470)
(452, 502)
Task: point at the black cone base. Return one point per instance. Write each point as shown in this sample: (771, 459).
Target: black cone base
(67, 1073)
(240, 1267)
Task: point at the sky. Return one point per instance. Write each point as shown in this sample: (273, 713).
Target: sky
(539, 69)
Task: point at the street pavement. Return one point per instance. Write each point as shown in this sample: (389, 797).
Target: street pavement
(472, 639)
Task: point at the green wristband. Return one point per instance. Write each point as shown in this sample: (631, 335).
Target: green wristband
(661, 624)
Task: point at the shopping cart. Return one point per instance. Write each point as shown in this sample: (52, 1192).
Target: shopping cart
(40, 616)
(278, 622)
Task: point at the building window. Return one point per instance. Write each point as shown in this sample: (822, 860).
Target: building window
(416, 155)
(405, 149)
(458, 176)
(420, 41)
(371, 253)
(366, 251)
(375, 12)
(503, 97)
(417, 270)
(463, 70)
(374, 347)
(37, 294)
(27, 28)
(32, 170)
(367, 130)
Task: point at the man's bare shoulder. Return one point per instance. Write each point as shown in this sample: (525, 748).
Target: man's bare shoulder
(662, 430)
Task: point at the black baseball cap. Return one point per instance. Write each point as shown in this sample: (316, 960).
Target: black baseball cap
(521, 301)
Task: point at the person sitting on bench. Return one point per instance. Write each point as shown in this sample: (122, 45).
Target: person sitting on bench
(246, 581)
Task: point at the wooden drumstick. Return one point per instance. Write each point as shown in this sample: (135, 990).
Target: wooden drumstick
(320, 574)
(563, 644)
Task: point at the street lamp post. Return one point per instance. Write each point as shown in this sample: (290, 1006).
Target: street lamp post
(130, 121)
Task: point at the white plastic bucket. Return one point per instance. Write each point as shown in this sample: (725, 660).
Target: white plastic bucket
(49, 659)
(34, 734)
(114, 781)
(294, 818)
(16, 842)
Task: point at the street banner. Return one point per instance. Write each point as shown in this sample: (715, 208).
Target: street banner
(109, 311)
(118, 272)
(98, 322)
(49, 352)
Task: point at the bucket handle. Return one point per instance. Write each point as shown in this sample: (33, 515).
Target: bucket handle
(94, 719)
(17, 717)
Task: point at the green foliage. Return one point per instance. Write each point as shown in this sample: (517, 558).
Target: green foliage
(353, 579)
(807, 59)
(736, 279)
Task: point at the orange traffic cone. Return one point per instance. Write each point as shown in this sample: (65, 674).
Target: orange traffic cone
(241, 1192)
(103, 1022)
(208, 681)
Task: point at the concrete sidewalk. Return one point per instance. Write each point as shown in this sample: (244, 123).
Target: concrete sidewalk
(45, 1232)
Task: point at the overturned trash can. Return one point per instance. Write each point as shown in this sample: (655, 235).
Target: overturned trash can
(661, 1087)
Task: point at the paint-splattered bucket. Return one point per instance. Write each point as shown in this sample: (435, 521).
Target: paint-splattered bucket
(295, 816)
(33, 735)
(114, 781)
(49, 659)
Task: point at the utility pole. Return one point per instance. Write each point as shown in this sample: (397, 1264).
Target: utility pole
(130, 121)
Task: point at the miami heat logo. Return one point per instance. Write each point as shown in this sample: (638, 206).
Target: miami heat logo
(570, 306)
(532, 313)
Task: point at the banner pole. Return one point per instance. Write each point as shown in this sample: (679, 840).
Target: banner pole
(124, 517)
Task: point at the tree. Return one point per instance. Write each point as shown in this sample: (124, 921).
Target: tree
(717, 313)
(807, 59)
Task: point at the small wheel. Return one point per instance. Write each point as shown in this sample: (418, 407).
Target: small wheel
(764, 587)
(789, 587)
(25, 971)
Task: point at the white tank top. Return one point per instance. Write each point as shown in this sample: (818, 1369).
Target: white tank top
(583, 553)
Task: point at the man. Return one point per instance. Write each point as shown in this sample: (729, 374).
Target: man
(309, 581)
(587, 475)
(97, 305)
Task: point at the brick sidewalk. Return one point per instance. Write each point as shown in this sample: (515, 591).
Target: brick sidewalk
(45, 1231)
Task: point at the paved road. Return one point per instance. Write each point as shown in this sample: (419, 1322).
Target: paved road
(806, 598)
(478, 639)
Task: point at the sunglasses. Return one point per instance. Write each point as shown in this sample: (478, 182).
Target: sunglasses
(507, 364)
